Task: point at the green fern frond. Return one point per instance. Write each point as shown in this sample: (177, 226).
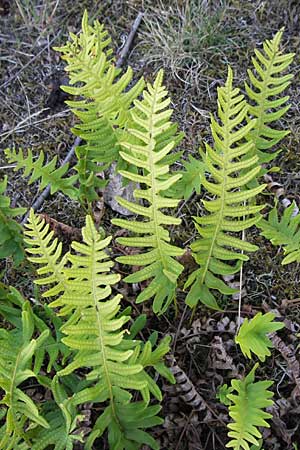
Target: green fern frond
(247, 411)
(266, 84)
(252, 336)
(105, 100)
(63, 421)
(46, 173)
(93, 331)
(231, 210)
(11, 241)
(191, 180)
(17, 348)
(47, 253)
(285, 232)
(149, 126)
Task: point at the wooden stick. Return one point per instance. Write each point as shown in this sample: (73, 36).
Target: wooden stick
(120, 61)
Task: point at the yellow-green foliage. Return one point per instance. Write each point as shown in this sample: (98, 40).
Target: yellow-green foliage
(231, 208)
(105, 99)
(266, 83)
(45, 173)
(285, 232)
(147, 146)
(252, 336)
(94, 332)
(247, 411)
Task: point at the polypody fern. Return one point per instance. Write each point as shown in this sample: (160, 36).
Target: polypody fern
(93, 331)
(247, 411)
(229, 210)
(144, 150)
(252, 336)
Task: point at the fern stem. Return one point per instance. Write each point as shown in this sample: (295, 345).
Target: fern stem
(101, 333)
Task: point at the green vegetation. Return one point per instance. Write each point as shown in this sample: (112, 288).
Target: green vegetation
(80, 347)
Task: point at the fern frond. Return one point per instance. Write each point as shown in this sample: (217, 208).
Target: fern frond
(264, 89)
(105, 99)
(47, 253)
(93, 331)
(247, 411)
(149, 126)
(191, 180)
(230, 211)
(252, 336)
(285, 232)
(46, 173)
(11, 241)
(63, 421)
(17, 348)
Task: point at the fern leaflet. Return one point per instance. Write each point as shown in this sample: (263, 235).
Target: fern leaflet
(150, 123)
(11, 242)
(252, 336)
(230, 211)
(47, 173)
(17, 348)
(285, 232)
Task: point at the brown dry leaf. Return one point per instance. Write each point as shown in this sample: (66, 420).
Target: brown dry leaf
(61, 229)
(219, 358)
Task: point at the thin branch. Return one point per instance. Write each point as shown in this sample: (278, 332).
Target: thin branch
(123, 54)
(120, 61)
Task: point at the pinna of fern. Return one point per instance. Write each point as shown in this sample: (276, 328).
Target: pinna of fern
(17, 349)
(105, 98)
(93, 331)
(46, 173)
(143, 149)
(284, 232)
(252, 336)
(266, 83)
(231, 210)
(11, 242)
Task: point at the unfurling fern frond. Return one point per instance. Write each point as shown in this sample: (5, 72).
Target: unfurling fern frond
(266, 84)
(17, 348)
(105, 99)
(231, 210)
(150, 125)
(252, 336)
(93, 331)
(11, 242)
(285, 232)
(46, 173)
(247, 411)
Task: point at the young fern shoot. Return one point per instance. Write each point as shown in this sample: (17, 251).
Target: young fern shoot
(230, 211)
(148, 144)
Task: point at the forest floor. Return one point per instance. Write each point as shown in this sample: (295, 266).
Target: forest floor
(193, 41)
